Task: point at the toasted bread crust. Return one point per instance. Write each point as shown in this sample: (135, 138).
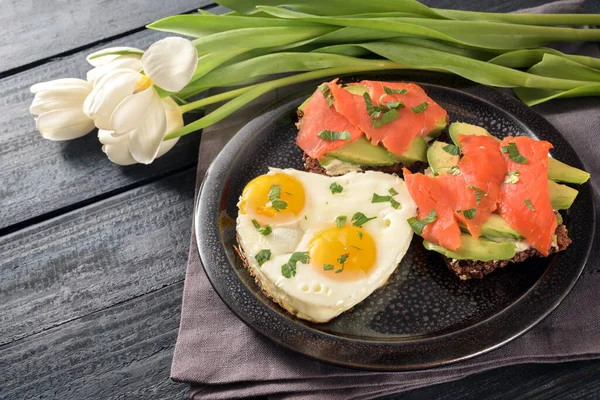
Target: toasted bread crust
(472, 269)
(313, 165)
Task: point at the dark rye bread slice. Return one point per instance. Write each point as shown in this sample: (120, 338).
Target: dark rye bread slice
(472, 269)
(313, 165)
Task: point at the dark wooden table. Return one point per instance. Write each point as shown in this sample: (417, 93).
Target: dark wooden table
(93, 255)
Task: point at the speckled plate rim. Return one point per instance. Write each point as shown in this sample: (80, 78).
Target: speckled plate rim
(418, 352)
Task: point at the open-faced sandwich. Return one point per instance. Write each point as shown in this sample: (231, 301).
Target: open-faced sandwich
(486, 202)
(369, 125)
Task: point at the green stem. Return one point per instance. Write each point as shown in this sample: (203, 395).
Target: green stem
(216, 98)
(245, 95)
(522, 19)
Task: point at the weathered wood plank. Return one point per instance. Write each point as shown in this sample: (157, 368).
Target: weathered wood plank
(95, 257)
(52, 28)
(573, 380)
(121, 352)
(38, 176)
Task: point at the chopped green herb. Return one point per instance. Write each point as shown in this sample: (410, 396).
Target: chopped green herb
(352, 247)
(288, 269)
(418, 225)
(324, 88)
(451, 149)
(454, 170)
(395, 105)
(394, 91)
(275, 196)
(386, 118)
(513, 153)
(328, 267)
(359, 219)
(420, 108)
(306, 218)
(336, 188)
(392, 192)
(331, 135)
(360, 234)
(342, 260)
(340, 221)
(470, 213)
(380, 199)
(265, 231)
(528, 203)
(395, 204)
(263, 256)
(478, 193)
(512, 177)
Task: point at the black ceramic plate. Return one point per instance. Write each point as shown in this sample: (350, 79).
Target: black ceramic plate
(425, 316)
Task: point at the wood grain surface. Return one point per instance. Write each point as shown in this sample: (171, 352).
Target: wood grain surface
(93, 254)
(54, 27)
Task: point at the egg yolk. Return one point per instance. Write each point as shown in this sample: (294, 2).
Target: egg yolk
(278, 196)
(342, 253)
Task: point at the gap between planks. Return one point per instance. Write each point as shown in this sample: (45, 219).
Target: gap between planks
(45, 60)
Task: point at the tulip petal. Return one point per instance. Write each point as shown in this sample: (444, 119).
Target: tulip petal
(64, 124)
(96, 59)
(116, 148)
(129, 62)
(110, 90)
(57, 100)
(61, 84)
(170, 63)
(148, 120)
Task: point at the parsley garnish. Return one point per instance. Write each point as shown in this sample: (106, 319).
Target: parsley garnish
(340, 221)
(478, 193)
(328, 267)
(528, 203)
(454, 170)
(324, 88)
(359, 219)
(381, 114)
(388, 90)
(418, 225)
(420, 108)
(265, 231)
(331, 135)
(360, 234)
(275, 198)
(383, 199)
(263, 256)
(451, 149)
(336, 188)
(352, 247)
(392, 192)
(469, 214)
(513, 153)
(512, 177)
(289, 269)
(342, 260)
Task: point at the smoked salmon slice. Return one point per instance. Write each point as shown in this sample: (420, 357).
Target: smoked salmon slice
(525, 204)
(418, 114)
(319, 116)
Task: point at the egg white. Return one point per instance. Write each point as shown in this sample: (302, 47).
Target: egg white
(310, 294)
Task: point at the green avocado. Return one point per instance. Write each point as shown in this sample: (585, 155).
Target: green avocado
(481, 249)
(561, 196)
(439, 159)
(557, 171)
(362, 152)
(496, 227)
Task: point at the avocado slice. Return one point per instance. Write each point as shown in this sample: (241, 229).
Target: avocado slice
(557, 171)
(362, 152)
(439, 159)
(481, 249)
(561, 196)
(496, 227)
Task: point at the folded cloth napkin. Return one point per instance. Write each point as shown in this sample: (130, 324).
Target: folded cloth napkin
(223, 358)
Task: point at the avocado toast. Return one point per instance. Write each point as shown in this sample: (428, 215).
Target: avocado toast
(500, 200)
(371, 125)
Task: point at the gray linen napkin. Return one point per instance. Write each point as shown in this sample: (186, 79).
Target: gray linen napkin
(223, 358)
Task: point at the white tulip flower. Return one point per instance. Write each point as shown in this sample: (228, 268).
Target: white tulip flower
(126, 102)
(59, 106)
(117, 147)
(112, 58)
